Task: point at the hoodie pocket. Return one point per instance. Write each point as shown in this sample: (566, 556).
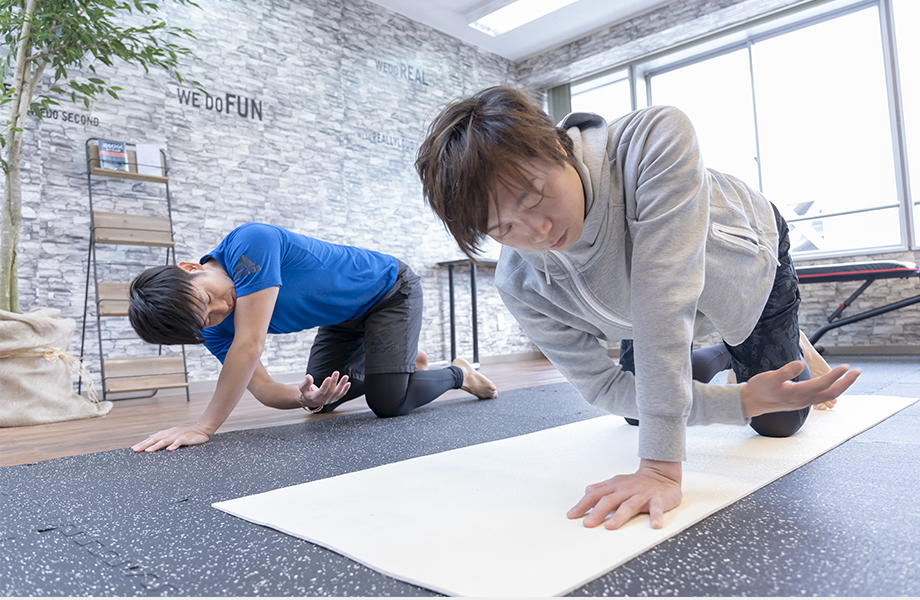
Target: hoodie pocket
(744, 239)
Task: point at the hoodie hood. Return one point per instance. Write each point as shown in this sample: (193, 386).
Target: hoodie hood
(589, 138)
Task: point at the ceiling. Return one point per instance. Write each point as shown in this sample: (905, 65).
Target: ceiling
(564, 25)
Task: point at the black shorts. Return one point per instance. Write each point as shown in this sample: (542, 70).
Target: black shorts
(774, 341)
(382, 340)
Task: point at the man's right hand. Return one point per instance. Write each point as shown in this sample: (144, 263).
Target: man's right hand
(172, 438)
(332, 389)
(774, 391)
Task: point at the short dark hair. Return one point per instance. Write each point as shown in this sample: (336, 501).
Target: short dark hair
(162, 306)
(474, 145)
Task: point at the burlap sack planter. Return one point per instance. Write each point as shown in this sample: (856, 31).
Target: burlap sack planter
(35, 378)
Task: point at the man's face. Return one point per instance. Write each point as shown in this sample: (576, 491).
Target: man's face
(216, 292)
(551, 218)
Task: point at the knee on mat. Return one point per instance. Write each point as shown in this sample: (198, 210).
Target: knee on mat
(387, 410)
(781, 424)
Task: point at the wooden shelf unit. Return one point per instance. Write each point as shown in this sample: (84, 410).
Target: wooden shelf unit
(92, 152)
(130, 374)
(139, 373)
(132, 230)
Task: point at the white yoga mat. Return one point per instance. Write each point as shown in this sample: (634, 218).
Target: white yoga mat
(489, 520)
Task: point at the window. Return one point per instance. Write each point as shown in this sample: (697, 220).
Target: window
(906, 22)
(723, 114)
(608, 96)
(799, 107)
(825, 134)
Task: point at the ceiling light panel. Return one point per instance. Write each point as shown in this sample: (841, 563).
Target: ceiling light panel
(516, 14)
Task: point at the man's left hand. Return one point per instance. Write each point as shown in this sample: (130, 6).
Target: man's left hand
(331, 390)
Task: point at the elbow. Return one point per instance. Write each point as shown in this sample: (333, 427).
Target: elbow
(248, 350)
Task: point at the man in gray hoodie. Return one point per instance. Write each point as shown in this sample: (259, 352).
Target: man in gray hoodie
(619, 232)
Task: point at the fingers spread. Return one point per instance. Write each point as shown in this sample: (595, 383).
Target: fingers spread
(626, 511)
(788, 371)
(830, 386)
(656, 512)
(603, 507)
(157, 446)
(646, 491)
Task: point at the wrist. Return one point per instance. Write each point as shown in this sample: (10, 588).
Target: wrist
(747, 409)
(306, 406)
(671, 470)
(204, 430)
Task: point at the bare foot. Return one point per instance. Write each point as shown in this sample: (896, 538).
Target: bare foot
(421, 361)
(475, 382)
(817, 365)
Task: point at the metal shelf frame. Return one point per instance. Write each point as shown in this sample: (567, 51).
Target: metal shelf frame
(139, 373)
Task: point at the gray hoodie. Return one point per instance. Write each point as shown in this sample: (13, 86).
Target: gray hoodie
(670, 251)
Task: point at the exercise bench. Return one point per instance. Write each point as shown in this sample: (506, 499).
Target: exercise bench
(867, 272)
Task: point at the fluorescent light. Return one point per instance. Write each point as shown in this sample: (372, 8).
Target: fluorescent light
(516, 14)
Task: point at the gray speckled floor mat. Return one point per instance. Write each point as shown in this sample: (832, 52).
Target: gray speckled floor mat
(119, 524)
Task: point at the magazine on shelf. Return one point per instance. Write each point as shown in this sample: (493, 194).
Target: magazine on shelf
(148, 159)
(113, 155)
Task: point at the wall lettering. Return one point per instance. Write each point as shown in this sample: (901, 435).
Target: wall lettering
(388, 140)
(401, 71)
(231, 104)
(69, 117)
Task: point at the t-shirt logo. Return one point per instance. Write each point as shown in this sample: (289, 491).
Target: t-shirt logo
(244, 266)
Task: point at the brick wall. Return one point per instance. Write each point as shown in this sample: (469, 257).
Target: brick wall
(321, 104)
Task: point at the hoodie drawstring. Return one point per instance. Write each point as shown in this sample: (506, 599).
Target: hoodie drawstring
(546, 267)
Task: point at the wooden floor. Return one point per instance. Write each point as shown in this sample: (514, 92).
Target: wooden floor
(130, 421)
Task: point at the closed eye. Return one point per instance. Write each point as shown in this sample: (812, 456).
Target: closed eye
(502, 231)
(539, 202)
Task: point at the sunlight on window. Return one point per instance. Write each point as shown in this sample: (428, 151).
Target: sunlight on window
(607, 96)
(716, 95)
(825, 135)
(907, 22)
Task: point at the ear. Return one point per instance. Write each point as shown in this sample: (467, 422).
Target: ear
(191, 267)
(561, 149)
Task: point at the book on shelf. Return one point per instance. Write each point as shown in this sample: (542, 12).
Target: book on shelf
(113, 155)
(148, 159)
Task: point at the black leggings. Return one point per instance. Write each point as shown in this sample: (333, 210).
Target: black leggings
(393, 394)
(705, 364)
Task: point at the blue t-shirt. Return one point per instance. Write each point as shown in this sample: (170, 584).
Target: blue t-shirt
(320, 283)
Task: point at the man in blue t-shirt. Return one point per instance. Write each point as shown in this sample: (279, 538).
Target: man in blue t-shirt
(263, 279)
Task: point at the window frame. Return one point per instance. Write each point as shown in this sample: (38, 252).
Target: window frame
(641, 70)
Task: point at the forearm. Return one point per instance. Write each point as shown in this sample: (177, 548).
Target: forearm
(276, 395)
(239, 365)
